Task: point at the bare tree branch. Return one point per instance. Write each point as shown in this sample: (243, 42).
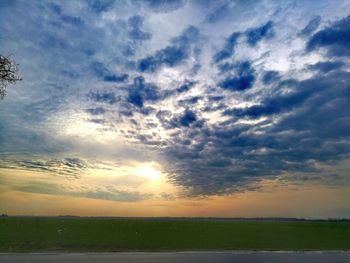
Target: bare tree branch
(8, 74)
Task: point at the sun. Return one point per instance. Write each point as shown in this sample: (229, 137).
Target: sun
(149, 172)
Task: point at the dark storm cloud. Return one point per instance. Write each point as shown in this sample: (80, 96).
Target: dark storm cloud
(335, 39)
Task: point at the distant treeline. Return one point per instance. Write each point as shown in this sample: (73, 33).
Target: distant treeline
(268, 219)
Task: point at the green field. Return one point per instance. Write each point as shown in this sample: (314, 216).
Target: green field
(89, 234)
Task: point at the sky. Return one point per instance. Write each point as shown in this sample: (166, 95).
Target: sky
(176, 108)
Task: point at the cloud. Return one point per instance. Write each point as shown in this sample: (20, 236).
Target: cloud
(222, 94)
(302, 92)
(237, 156)
(187, 118)
(104, 97)
(327, 66)
(219, 13)
(255, 35)
(100, 6)
(116, 78)
(171, 55)
(115, 195)
(7, 3)
(39, 188)
(238, 84)
(67, 167)
(190, 102)
(73, 20)
(228, 49)
(102, 72)
(141, 91)
(311, 26)
(165, 6)
(333, 38)
(135, 32)
(270, 76)
(185, 87)
(96, 111)
(241, 80)
(100, 193)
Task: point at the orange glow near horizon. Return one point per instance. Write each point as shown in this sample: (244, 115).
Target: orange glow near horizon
(20, 195)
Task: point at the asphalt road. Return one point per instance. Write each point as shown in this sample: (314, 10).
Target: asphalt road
(181, 257)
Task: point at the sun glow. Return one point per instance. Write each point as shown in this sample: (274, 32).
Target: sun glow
(149, 172)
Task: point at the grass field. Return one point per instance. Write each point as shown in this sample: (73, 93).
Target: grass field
(89, 234)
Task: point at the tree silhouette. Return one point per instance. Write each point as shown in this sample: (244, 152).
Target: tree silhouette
(8, 73)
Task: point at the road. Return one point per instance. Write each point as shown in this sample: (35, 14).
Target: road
(181, 257)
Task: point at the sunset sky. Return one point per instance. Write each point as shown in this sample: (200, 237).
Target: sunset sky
(176, 108)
